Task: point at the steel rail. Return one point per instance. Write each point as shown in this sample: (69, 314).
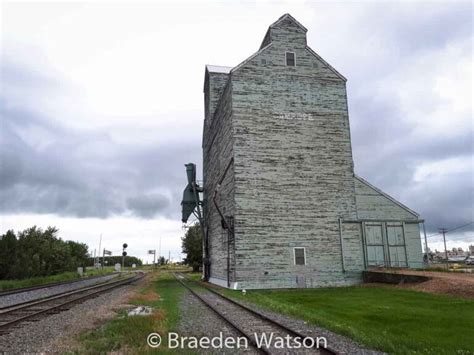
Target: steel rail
(51, 284)
(291, 331)
(223, 317)
(285, 328)
(53, 309)
(40, 300)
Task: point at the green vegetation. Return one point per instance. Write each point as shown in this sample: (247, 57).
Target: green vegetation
(34, 253)
(195, 276)
(192, 247)
(128, 334)
(389, 319)
(65, 276)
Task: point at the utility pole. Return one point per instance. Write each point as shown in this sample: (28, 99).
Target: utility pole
(169, 257)
(426, 245)
(444, 231)
(100, 244)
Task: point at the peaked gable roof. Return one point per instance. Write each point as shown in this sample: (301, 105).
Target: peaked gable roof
(251, 57)
(288, 16)
(266, 39)
(368, 184)
(331, 68)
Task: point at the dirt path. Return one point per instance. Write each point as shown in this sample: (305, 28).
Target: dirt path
(450, 283)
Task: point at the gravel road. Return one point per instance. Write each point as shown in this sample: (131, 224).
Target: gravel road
(9, 300)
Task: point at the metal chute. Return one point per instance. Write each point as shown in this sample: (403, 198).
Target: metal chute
(191, 200)
(188, 204)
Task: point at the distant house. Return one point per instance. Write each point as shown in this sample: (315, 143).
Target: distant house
(282, 204)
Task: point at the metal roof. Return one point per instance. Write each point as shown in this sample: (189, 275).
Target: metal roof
(218, 69)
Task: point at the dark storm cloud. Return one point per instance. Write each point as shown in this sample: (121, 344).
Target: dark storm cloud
(388, 153)
(419, 26)
(387, 149)
(87, 174)
(147, 206)
(46, 167)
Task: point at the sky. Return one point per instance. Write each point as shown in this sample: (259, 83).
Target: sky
(101, 105)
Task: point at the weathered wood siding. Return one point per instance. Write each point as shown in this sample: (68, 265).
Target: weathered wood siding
(217, 153)
(353, 250)
(413, 245)
(371, 204)
(292, 180)
(293, 166)
(214, 84)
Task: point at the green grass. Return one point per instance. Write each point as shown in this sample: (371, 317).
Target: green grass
(195, 276)
(393, 320)
(65, 276)
(128, 334)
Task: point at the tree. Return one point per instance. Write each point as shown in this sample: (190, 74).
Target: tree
(34, 252)
(8, 251)
(192, 246)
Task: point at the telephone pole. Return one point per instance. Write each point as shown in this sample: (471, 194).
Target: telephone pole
(426, 245)
(159, 250)
(98, 251)
(444, 231)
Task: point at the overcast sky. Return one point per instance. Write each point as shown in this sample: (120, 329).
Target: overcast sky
(101, 106)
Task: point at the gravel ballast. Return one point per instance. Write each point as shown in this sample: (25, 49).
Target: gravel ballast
(10, 300)
(55, 333)
(339, 343)
(198, 320)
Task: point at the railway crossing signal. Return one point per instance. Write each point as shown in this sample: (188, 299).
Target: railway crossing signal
(124, 254)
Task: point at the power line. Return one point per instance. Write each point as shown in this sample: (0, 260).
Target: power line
(468, 239)
(465, 225)
(453, 229)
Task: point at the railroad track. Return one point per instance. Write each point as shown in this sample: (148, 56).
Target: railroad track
(15, 315)
(51, 284)
(249, 323)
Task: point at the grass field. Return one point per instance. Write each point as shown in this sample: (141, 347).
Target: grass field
(128, 334)
(393, 320)
(65, 276)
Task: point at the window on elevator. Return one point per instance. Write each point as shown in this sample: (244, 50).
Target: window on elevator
(300, 256)
(290, 59)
